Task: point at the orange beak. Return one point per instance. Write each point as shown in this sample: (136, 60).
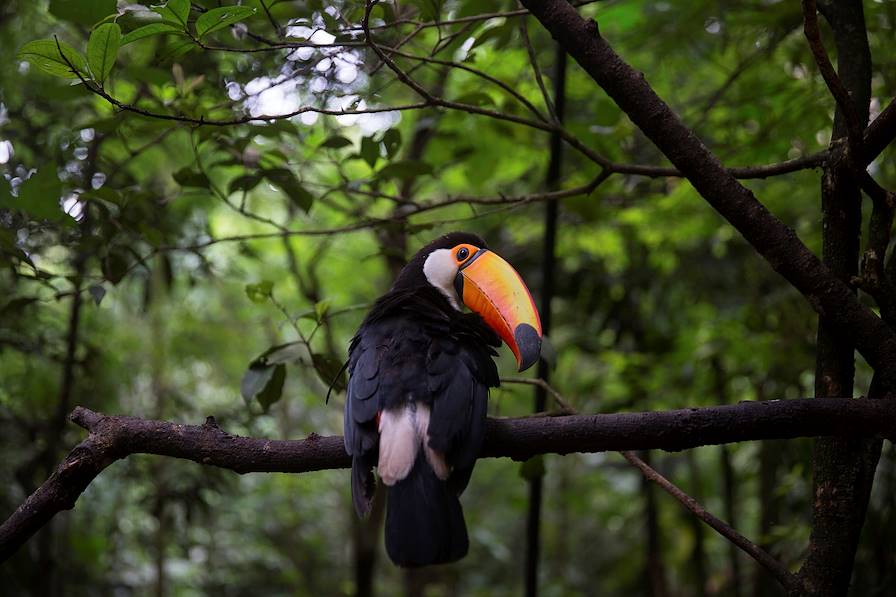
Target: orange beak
(489, 286)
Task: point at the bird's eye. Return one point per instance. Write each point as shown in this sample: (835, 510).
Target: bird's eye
(463, 253)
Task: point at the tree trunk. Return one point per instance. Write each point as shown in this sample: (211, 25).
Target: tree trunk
(842, 469)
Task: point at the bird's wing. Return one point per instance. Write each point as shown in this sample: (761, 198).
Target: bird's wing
(458, 375)
(386, 368)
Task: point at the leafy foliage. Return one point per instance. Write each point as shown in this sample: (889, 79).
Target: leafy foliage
(220, 254)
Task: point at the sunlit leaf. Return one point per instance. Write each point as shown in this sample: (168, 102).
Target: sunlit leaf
(260, 292)
(175, 10)
(321, 308)
(102, 50)
(218, 18)
(150, 30)
(45, 54)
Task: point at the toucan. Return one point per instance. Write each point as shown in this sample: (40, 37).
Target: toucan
(420, 369)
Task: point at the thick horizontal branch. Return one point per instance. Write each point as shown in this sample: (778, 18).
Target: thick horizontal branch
(115, 437)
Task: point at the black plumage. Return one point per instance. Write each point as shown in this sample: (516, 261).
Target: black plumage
(414, 348)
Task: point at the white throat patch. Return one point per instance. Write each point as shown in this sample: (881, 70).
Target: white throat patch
(440, 268)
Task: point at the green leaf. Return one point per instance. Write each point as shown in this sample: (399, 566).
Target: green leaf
(82, 12)
(218, 18)
(45, 55)
(264, 383)
(254, 381)
(282, 353)
(274, 157)
(321, 308)
(370, 151)
(273, 390)
(404, 169)
(392, 142)
(177, 50)
(290, 185)
(259, 293)
(336, 142)
(102, 50)
(149, 30)
(500, 34)
(186, 177)
(244, 183)
(175, 10)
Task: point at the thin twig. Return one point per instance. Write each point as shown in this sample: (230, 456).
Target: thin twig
(277, 29)
(483, 75)
(787, 579)
(537, 381)
(835, 85)
(533, 62)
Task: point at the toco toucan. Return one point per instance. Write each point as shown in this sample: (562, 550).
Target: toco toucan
(420, 371)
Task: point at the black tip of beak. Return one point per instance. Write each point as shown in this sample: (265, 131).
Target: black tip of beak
(528, 343)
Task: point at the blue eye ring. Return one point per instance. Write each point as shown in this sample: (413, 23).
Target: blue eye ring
(463, 253)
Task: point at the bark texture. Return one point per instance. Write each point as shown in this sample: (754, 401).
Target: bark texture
(115, 437)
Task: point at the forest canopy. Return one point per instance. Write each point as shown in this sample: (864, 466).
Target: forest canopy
(201, 200)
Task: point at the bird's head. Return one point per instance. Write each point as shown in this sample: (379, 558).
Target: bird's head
(465, 271)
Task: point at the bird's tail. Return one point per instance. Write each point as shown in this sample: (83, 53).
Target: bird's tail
(424, 521)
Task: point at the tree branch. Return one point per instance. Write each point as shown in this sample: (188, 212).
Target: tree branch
(880, 132)
(776, 242)
(831, 79)
(787, 579)
(115, 437)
